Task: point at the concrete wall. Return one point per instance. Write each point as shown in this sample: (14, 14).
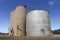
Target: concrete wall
(17, 21)
(38, 23)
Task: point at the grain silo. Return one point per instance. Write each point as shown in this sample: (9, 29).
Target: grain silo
(38, 23)
(17, 21)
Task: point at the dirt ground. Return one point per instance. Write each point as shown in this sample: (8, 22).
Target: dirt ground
(53, 37)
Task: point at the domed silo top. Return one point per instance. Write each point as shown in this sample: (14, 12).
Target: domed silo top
(37, 11)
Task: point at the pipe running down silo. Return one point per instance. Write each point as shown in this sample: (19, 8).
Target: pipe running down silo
(38, 23)
(17, 21)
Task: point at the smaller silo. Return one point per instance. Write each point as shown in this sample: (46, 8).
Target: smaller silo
(38, 23)
(17, 21)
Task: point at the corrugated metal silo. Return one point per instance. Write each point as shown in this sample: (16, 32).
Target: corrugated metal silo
(17, 21)
(38, 23)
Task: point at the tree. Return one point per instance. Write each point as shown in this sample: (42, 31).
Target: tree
(56, 31)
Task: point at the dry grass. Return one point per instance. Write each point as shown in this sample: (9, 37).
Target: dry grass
(53, 37)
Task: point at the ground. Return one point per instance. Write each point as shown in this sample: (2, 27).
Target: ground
(6, 37)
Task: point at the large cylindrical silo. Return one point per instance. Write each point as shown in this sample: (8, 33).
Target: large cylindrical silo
(38, 23)
(17, 21)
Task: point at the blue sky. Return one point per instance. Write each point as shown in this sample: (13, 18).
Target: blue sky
(6, 6)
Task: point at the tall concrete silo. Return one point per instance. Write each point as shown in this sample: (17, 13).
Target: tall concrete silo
(17, 21)
(38, 23)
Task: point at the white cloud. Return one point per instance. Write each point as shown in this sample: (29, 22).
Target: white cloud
(51, 3)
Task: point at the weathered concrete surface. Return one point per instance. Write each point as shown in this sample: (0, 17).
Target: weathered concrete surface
(17, 21)
(38, 23)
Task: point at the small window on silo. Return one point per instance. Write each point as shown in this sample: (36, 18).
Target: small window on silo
(43, 31)
(17, 26)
